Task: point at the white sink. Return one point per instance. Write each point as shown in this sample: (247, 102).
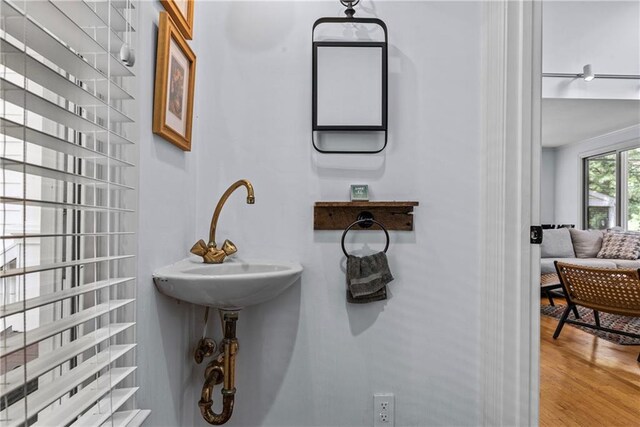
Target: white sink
(232, 285)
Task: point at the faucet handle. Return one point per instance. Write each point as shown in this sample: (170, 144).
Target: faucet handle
(229, 248)
(200, 248)
(214, 256)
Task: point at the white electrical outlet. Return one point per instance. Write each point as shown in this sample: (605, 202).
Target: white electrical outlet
(383, 413)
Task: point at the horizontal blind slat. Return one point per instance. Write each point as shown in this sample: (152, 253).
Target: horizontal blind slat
(16, 378)
(61, 205)
(123, 419)
(80, 11)
(44, 235)
(42, 300)
(30, 101)
(83, 400)
(139, 418)
(118, 21)
(34, 136)
(17, 342)
(47, 267)
(103, 409)
(58, 175)
(49, 393)
(36, 71)
(56, 52)
(52, 19)
(117, 4)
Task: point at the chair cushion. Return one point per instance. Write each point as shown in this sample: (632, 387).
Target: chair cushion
(620, 245)
(627, 263)
(586, 243)
(557, 244)
(546, 265)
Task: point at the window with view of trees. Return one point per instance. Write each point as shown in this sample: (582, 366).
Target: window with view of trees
(612, 190)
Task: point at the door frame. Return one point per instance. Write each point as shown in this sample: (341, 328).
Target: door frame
(510, 194)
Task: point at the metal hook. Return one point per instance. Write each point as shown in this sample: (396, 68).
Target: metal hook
(365, 222)
(350, 11)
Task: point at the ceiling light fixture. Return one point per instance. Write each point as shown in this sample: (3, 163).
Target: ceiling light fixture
(587, 73)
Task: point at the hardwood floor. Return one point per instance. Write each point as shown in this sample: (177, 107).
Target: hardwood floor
(586, 381)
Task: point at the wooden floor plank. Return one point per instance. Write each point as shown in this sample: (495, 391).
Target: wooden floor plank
(585, 380)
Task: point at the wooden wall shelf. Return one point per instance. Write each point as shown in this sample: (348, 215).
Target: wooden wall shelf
(339, 215)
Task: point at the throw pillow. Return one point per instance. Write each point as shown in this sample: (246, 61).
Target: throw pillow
(620, 246)
(556, 243)
(586, 243)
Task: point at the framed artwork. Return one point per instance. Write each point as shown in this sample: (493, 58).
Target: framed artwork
(181, 11)
(174, 85)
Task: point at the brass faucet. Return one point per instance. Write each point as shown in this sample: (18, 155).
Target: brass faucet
(210, 252)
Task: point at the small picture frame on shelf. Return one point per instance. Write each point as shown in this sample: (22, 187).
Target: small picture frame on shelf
(174, 85)
(181, 11)
(359, 193)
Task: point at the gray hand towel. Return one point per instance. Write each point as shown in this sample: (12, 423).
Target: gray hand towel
(367, 277)
(376, 296)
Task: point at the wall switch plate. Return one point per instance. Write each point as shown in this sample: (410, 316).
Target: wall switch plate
(383, 410)
(359, 193)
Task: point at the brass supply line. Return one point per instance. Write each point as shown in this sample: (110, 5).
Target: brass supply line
(221, 370)
(206, 347)
(210, 252)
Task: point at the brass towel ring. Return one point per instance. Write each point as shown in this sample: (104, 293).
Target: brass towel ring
(366, 222)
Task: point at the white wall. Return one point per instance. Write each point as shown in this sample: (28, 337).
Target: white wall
(308, 358)
(605, 34)
(166, 329)
(568, 170)
(548, 186)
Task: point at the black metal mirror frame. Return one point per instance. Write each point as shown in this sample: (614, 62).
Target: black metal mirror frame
(359, 44)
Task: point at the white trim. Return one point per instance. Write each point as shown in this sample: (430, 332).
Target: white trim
(627, 139)
(535, 211)
(580, 189)
(624, 134)
(511, 48)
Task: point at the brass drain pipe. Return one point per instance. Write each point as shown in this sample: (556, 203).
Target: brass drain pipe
(221, 370)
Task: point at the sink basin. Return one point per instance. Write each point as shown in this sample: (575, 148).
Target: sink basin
(232, 285)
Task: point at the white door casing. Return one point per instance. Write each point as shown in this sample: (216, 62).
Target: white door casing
(511, 76)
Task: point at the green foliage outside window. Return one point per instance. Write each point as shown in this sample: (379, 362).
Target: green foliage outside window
(598, 218)
(602, 174)
(602, 180)
(601, 183)
(633, 189)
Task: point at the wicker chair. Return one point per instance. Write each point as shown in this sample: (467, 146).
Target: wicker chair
(615, 291)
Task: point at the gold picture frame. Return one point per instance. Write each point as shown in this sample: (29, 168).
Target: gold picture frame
(174, 85)
(181, 11)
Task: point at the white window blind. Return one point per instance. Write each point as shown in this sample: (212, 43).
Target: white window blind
(67, 271)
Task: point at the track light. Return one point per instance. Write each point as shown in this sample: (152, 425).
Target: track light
(587, 73)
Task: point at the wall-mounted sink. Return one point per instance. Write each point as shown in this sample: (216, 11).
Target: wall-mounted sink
(233, 285)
